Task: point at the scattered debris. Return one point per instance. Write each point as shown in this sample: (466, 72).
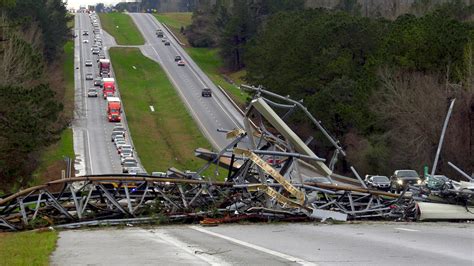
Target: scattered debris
(271, 175)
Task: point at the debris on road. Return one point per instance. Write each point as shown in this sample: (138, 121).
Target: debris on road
(271, 174)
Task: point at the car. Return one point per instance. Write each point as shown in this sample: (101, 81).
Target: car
(116, 134)
(128, 165)
(126, 153)
(378, 182)
(180, 63)
(85, 41)
(158, 174)
(177, 58)
(95, 51)
(206, 92)
(119, 143)
(85, 33)
(437, 182)
(136, 171)
(98, 82)
(126, 147)
(92, 92)
(159, 33)
(119, 129)
(402, 178)
(164, 39)
(88, 63)
(89, 76)
(127, 159)
(100, 56)
(119, 138)
(167, 43)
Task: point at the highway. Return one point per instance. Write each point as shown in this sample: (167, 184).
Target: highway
(369, 243)
(211, 113)
(95, 153)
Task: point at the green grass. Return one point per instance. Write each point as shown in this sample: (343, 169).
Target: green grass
(207, 58)
(27, 248)
(122, 27)
(175, 21)
(210, 62)
(164, 138)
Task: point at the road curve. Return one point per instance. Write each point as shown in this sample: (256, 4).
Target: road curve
(209, 113)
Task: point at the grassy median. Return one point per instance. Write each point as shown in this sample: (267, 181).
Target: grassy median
(122, 27)
(166, 137)
(207, 59)
(27, 248)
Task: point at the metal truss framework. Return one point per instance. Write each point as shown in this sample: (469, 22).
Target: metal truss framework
(270, 174)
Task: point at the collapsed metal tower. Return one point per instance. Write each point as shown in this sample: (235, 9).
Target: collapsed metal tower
(271, 173)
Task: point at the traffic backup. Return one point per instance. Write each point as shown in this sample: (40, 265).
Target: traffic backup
(114, 109)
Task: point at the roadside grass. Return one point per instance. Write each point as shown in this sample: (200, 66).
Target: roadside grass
(27, 248)
(122, 27)
(168, 136)
(175, 21)
(208, 59)
(52, 158)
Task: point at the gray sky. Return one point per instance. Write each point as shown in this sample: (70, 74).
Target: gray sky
(77, 3)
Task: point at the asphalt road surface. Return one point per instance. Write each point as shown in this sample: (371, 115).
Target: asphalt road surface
(92, 144)
(272, 244)
(210, 113)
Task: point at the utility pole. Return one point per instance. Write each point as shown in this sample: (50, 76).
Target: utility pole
(441, 139)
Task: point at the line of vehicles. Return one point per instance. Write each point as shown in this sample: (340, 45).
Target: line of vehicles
(105, 87)
(206, 92)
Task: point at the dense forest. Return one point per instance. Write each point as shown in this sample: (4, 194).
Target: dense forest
(380, 86)
(31, 48)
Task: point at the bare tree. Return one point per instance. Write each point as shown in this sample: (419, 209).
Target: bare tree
(413, 107)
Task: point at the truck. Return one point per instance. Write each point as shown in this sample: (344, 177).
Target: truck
(114, 109)
(104, 67)
(108, 87)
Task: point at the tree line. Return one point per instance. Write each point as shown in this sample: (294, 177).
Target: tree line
(380, 86)
(32, 36)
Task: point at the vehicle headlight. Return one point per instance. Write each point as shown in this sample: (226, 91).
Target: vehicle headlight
(399, 181)
(418, 181)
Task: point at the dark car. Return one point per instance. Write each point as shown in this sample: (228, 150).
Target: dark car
(159, 33)
(177, 58)
(98, 82)
(402, 178)
(206, 92)
(437, 182)
(85, 33)
(378, 182)
(167, 43)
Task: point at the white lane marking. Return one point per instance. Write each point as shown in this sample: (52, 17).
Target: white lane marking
(190, 108)
(406, 229)
(259, 248)
(89, 151)
(194, 72)
(212, 260)
(152, 108)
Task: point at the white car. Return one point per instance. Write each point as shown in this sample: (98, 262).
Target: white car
(85, 41)
(88, 63)
(127, 159)
(125, 147)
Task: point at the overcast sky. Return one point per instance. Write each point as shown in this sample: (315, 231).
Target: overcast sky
(77, 3)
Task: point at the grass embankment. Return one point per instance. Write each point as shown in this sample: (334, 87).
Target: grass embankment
(27, 248)
(207, 58)
(122, 27)
(166, 137)
(175, 21)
